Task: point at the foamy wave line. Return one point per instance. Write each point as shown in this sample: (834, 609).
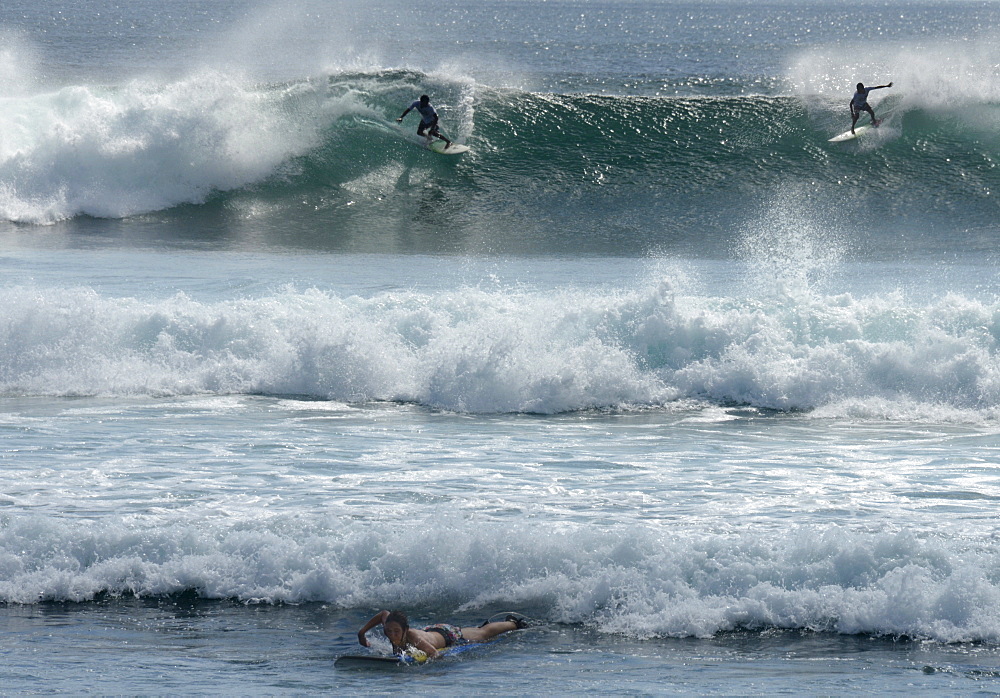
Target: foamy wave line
(639, 582)
(472, 350)
(114, 152)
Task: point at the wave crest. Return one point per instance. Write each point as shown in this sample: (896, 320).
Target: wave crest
(501, 351)
(636, 582)
(146, 147)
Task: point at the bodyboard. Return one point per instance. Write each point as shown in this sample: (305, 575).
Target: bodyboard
(367, 661)
(381, 661)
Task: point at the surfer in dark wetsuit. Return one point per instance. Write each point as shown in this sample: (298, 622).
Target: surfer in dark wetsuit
(434, 637)
(859, 103)
(428, 120)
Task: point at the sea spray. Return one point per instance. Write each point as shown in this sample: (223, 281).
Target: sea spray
(115, 152)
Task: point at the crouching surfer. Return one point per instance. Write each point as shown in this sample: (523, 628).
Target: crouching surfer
(859, 103)
(437, 636)
(428, 127)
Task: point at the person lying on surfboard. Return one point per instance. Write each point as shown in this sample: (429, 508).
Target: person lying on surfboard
(859, 103)
(428, 120)
(434, 637)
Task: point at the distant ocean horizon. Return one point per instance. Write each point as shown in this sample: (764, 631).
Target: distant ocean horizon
(713, 400)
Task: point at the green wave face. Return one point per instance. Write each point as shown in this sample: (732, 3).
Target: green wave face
(631, 175)
(322, 163)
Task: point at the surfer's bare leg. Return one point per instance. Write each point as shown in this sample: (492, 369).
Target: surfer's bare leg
(437, 134)
(854, 119)
(488, 631)
(428, 135)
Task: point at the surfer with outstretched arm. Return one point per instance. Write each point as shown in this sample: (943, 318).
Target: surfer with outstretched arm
(434, 637)
(428, 120)
(859, 103)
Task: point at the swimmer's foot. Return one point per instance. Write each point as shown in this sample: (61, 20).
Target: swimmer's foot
(520, 621)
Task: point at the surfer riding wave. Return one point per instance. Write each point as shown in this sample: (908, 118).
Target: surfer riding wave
(428, 120)
(859, 103)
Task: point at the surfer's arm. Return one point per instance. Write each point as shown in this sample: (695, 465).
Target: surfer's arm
(879, 87)
(377, 619)
(404, 114)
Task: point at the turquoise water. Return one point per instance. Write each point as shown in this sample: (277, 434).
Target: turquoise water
(711, 398)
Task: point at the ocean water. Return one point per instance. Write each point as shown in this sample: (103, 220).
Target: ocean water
(715, 401)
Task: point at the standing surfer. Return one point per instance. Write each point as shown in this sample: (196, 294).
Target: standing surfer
(859, 103)
(428, 120)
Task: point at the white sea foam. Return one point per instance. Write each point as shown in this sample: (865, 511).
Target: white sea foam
(144, 146)
(480, 351)
(640, 582)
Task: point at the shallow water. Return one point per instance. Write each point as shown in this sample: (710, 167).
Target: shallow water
(200, 648)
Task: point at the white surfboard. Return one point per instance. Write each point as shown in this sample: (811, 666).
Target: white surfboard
(436, 145)
(859, 131)
(453, 149)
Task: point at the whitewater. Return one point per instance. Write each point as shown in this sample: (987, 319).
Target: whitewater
(711, 399)
(516, 348)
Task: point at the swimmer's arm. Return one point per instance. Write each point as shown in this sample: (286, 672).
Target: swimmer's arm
(424, 646)
(377, 619)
